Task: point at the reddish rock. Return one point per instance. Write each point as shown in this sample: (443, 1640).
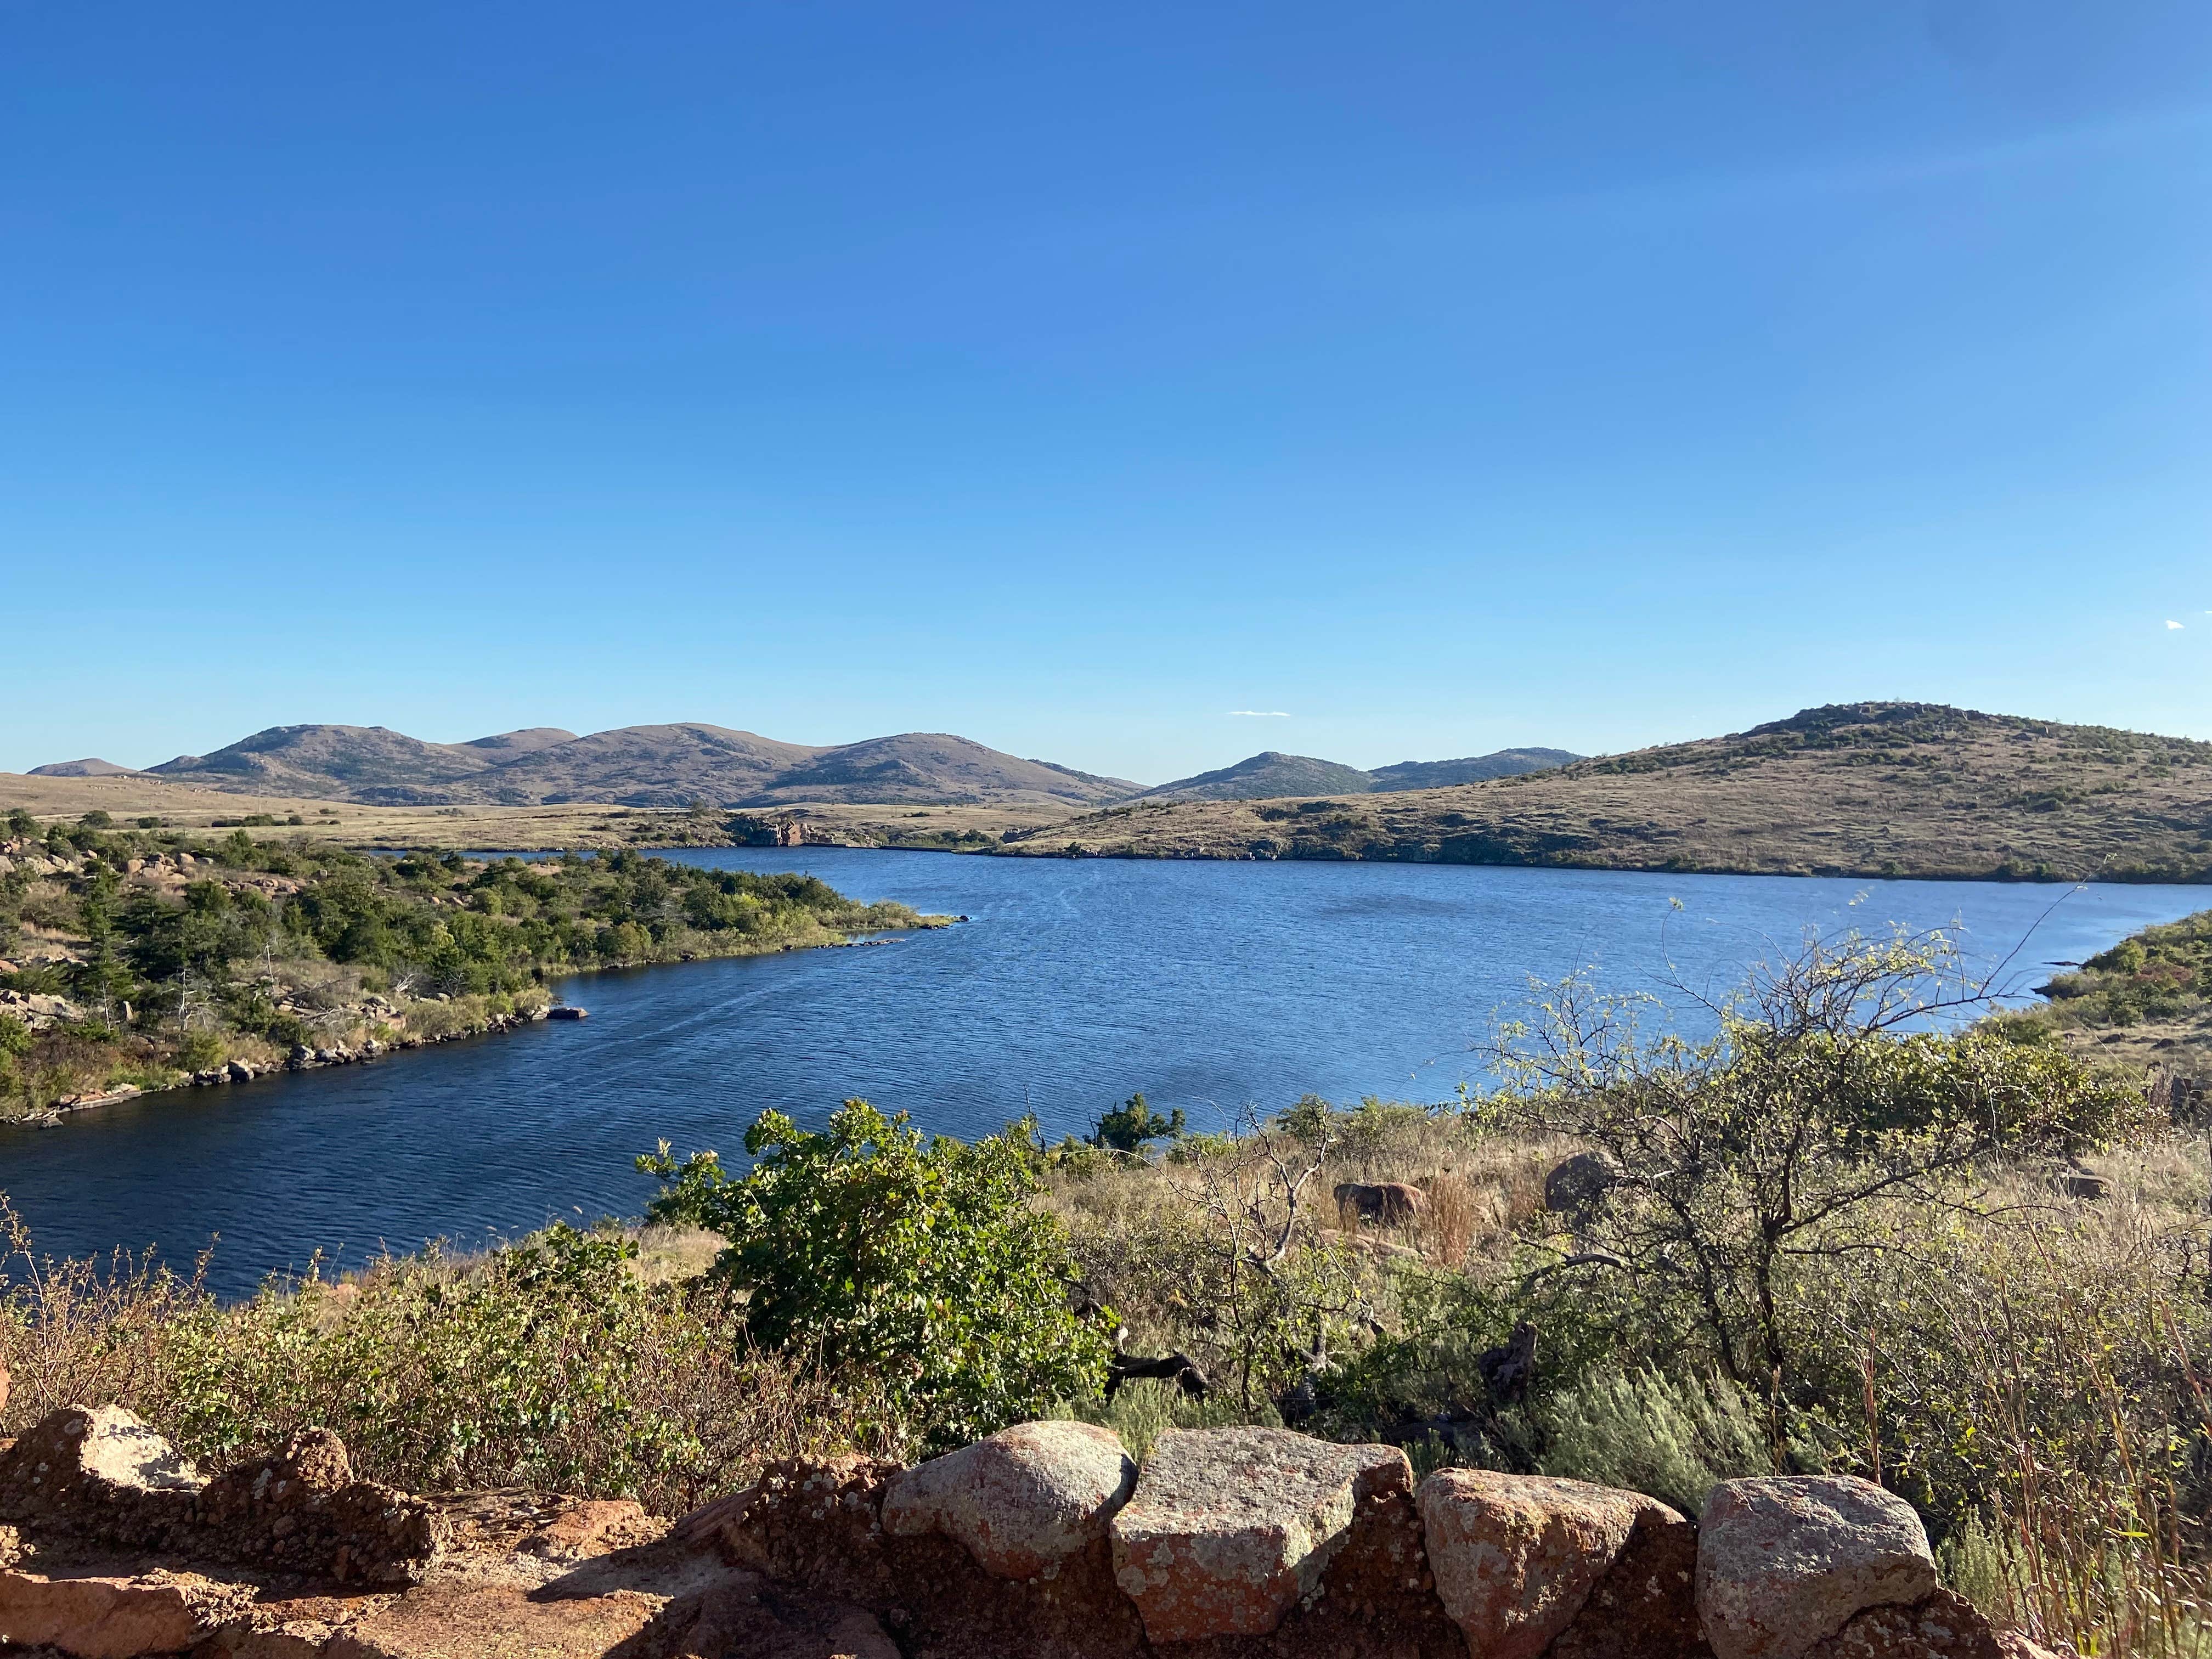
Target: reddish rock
(1785, 1561)
(110, 1617)
(1231, 1528)
(592, 1526)
(1942, 1626)
(1516, 1556)
(1020, 1501)
(465, 1620)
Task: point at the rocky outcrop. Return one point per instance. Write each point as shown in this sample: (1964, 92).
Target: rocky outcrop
(1234, 1544)
(101, 1477)
(1020, 1502)
(1785, 1562)
(1230, 1529)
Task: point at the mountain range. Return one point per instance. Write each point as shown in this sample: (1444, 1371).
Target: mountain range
(674, 765)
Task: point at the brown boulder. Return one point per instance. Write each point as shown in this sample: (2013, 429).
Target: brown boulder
(101, 1617)
(1025, 1498)
(1785, 1561)
(1516, 1556)
(1392, 1203)
(1229, 1527)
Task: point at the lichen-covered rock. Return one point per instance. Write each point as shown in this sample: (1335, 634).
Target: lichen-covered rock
(102, 1617)
(1516, 1556)
(1942, 1625)
(1229, 1527)
(98, 1472)
(1785, 1561)
(1026, 1498)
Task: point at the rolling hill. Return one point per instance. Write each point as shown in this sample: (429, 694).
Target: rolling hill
(638, 765)
(1869, 789)
(1271, 774)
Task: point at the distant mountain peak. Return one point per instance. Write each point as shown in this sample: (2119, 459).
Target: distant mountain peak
(87, 768)
(1271, 774)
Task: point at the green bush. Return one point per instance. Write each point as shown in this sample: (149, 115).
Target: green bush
(1673, 1437)
(1130, 1126)
(921, 1258)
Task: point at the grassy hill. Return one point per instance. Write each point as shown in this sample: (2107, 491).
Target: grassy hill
(1271, 774)
(1876, 788)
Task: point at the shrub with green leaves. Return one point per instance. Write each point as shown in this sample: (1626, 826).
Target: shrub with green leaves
(920, 1258)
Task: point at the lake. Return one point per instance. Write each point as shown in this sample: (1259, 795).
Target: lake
(1073, 984)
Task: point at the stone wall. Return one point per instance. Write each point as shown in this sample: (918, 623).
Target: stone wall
(1045, 1542)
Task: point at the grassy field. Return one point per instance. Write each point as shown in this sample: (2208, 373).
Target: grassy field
(575, 825)
(1898, 789)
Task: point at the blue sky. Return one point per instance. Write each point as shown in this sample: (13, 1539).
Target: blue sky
(1443, 376)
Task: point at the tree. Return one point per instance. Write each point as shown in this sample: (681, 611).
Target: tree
(921, 1258)
(1741, 1159)
(1133, 1125)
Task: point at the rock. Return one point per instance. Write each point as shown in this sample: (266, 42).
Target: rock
(1576, 1186)
(2082, 1187)
(1392, 1203)
(466, 1620)
(1229, 1528)
(1516, 1556)
(91, 1617)
(564, 1012)
(1942, 1626)
(240, 1072)
(592, 1526)
(303, 1511)
(1646, 1604)
(1026, 1498)
(98, 1473)
(1785, 1561)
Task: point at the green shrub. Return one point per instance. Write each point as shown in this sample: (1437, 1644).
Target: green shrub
(1671, 1437)
(920, 1257)
(1131, 1126)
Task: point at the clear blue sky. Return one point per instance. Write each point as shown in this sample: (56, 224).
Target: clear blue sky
(1446, 376)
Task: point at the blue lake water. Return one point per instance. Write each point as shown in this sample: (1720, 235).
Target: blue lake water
(1075, 983)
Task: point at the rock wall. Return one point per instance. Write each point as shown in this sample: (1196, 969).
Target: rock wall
(1044, 1541)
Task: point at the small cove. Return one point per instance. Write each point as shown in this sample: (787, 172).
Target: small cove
(1075, 982)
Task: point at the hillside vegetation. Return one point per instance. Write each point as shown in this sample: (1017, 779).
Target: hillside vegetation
(1869, 789)
(136, 957)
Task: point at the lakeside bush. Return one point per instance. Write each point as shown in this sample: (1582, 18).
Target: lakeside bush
(921, 1257)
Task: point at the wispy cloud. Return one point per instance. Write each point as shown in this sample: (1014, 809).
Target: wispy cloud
(2175, 624)
(1284, 714)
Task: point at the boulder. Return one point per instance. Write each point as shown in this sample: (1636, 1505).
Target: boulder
(1391, 1203)
(1576, 1187)
(98, 1472)
(1229, 1527)
(1025, 1499)
(102, 1617)
(1646, 1603)
(1516, 1556)
(1785, 1561)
